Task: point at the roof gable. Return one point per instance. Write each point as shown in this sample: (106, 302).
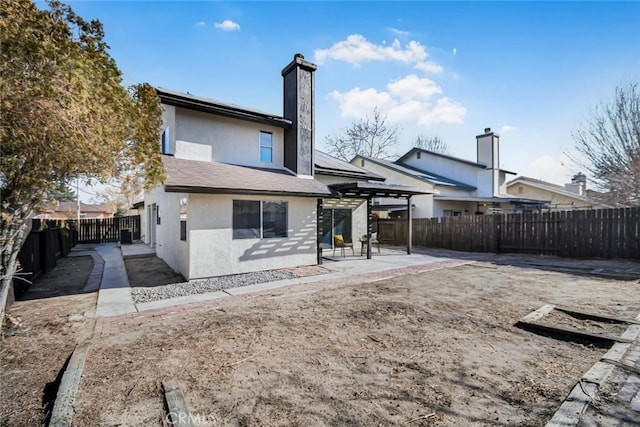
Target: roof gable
(551, 187)
(425, 176)
(329, 165)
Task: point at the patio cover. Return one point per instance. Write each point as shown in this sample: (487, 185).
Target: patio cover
(369, 190)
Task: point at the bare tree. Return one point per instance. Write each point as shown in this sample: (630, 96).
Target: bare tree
(431, 143)
(609, 146)
(370, 136)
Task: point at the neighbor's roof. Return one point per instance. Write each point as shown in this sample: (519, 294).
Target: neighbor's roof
(73, 207)
(208, 105)
(445, 156)
(193, 176)
(329, 165)
(553, 188)
(419, 174)
(500, 199)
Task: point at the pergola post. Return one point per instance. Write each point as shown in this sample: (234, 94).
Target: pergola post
(410, 225)
(320, 231)
(369, 227)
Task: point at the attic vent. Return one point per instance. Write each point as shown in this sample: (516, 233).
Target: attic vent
(418, 154)
(362, 162)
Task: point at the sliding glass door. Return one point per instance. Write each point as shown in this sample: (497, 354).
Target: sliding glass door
(335, 221)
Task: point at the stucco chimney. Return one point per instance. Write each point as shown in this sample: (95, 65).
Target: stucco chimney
(578, 184)
(489, 155)
(299, 107)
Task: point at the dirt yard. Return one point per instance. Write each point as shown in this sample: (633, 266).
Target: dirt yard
(50, 318)
(436, 348)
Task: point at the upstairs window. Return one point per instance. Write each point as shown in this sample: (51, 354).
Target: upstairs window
(266, 147)
(165, 141)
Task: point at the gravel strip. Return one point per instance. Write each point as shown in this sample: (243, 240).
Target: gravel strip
(201, 286)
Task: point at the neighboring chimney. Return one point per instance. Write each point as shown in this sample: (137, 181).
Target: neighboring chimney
(299, 107)
(489, 155)
(578, 184)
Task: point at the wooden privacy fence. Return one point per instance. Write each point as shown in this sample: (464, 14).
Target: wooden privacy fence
(40, 252)
(106, 230)
(602, 233)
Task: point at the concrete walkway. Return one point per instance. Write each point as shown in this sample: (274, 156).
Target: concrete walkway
(114, 297)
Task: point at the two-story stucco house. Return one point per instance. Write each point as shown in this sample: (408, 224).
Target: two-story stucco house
(247, 191)
(460, 186)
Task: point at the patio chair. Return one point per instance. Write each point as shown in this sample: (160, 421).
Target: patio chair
(338, 242)
(374, 241)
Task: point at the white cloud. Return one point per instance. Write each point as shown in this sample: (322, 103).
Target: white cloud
(200, 24)
(409, 99)
(429, 67)
(455, 51)
(356, 49)
(508, 129)
(227, 25)
(414, 87)
(357, 103)
(399, 33)
(554, 169)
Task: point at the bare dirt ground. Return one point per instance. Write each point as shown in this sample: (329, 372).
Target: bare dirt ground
(150, 271)
(436, 348)
(49, 320)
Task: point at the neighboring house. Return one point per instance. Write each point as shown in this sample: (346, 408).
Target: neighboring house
(246, 191)
(69, 210)
(573, 195)
(461, 187)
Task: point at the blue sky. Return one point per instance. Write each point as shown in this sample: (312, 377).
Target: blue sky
(531, 71)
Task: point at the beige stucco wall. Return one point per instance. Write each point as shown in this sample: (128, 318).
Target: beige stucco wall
(556, 201)
(169, 247)
(214, 252)
(202, 136)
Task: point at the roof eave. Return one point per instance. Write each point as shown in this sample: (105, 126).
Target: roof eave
(210, 190)
(332, 172)
(221, 110)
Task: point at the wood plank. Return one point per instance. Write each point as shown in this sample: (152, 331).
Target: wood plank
(177, 407)
(537, 314)
(535, 326)
(62, 413)
(593, 316)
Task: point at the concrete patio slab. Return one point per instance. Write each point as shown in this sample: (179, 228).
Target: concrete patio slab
(137, 250)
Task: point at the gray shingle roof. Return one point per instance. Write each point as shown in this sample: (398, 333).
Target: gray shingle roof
(209, 105)
(192, 176)
(329, 165)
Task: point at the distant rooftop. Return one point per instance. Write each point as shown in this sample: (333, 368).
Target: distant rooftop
(422, 175)
(329, 165)
(446, 156)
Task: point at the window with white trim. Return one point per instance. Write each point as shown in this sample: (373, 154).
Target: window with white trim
(266, 147)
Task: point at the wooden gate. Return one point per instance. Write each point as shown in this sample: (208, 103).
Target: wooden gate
(108, 229)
